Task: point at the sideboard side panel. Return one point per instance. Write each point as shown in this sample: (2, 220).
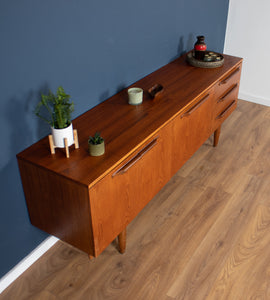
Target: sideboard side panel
(58, 206)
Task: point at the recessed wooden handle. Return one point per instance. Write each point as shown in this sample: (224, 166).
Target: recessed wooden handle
(136, 158)
(224, 81)
(225, 111)
(195, 107)
(222, 98)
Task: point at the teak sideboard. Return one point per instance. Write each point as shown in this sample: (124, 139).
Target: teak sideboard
(89, 201)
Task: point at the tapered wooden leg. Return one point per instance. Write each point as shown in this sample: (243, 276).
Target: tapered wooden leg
(76, 141)
(90, 257)
(216, 136)
(66, 146)
(122, 241)
(51, 144)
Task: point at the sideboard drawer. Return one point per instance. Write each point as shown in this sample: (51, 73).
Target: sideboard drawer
(226, 98)
(228, 81)
(224, 114)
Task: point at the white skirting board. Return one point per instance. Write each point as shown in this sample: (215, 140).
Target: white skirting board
(255, 99)
(24, 264)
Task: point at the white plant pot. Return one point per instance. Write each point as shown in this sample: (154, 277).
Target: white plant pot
(60, 134)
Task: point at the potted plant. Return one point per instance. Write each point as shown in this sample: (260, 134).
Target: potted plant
(56, 109)
(96, 145)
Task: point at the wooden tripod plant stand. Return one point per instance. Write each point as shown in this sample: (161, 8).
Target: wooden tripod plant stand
(76, 142)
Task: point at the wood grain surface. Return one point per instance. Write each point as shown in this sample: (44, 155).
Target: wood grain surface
(119, 122)
(205, 235)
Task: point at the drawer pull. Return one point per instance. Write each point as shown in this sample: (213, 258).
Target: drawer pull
(224, 81)
(222, 98)
(196, 106)
(225, 111)
(136, 158)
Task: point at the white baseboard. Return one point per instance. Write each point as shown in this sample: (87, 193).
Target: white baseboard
(255, 99)
(24, 264)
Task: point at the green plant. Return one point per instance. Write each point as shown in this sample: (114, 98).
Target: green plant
(58, 109)
(96, 139)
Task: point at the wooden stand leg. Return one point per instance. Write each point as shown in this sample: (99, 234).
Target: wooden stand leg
(90, 257)
(66, 146)
(76, 141)
(216, 136)
(51, 144)
(122, 241)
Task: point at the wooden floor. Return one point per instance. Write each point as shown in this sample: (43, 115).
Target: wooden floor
(206, 235)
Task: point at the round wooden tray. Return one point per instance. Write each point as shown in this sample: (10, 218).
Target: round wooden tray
(204, 64)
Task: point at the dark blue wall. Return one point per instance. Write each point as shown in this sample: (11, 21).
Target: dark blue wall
(91, 48)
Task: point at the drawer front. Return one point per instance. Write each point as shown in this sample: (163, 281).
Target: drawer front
(224, 114)
(117, 199)
(226, 98)
(228, 81)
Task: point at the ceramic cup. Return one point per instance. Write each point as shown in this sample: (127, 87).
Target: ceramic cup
(135, 96)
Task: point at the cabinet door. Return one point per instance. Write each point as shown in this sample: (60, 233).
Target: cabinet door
(121, 195)
(191, 129)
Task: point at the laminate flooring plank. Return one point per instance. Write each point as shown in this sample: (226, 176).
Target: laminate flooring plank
(201, 271)
(264, 196)
(182, 234)
(239, 149)
(36, 278)
(43, 295)
(249, 261)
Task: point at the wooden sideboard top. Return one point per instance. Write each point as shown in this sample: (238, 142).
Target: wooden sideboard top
(126, 127)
